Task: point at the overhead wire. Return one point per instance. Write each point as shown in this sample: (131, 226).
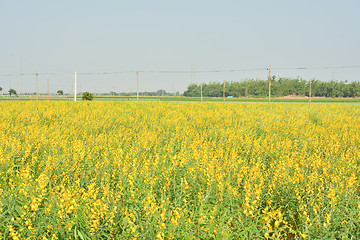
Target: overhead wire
(202, 71)
(305, 68)
(182, 71)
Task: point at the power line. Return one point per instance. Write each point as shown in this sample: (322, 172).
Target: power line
(16, 74)
(105, 73)
(27, 74)
(184, 71)
(305, 68)
(202, 71)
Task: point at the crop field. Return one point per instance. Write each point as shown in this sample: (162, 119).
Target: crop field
(154, 170)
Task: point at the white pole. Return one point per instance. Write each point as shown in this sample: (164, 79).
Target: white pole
(310, 93)
(37, 86)
(75, 89)
(269, 82)
(137, 88)
(224, 92)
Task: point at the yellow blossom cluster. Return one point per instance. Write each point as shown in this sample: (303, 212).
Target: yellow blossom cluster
(107, 170)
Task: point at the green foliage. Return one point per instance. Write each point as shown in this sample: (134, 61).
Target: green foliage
(60, 92)
(192, 91)
(279, 87)
(12, 91)
(0, 89)
(87, 96)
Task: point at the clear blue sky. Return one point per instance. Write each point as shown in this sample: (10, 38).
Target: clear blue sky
(108, 36)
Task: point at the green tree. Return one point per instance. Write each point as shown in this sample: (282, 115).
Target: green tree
(161, 93)
(87, 96)
(192, 91)
(12, 91)
(60, 92)
(0, 89)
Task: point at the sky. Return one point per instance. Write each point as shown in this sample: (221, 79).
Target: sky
(192, 38)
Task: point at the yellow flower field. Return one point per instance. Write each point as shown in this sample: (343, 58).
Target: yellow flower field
(106, 170)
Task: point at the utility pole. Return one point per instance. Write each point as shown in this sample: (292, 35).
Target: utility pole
(75, 88)
(224, 92)
(310, 92)
(201, 92)
(137, 95)
(37, 86)
(21, 78)
(48, 89)
(173, 87)
(269, 82)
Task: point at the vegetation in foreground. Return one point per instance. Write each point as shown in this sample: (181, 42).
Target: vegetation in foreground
(95, 170)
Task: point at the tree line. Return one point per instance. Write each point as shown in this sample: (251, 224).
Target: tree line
(279, 87)
(11, 91)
